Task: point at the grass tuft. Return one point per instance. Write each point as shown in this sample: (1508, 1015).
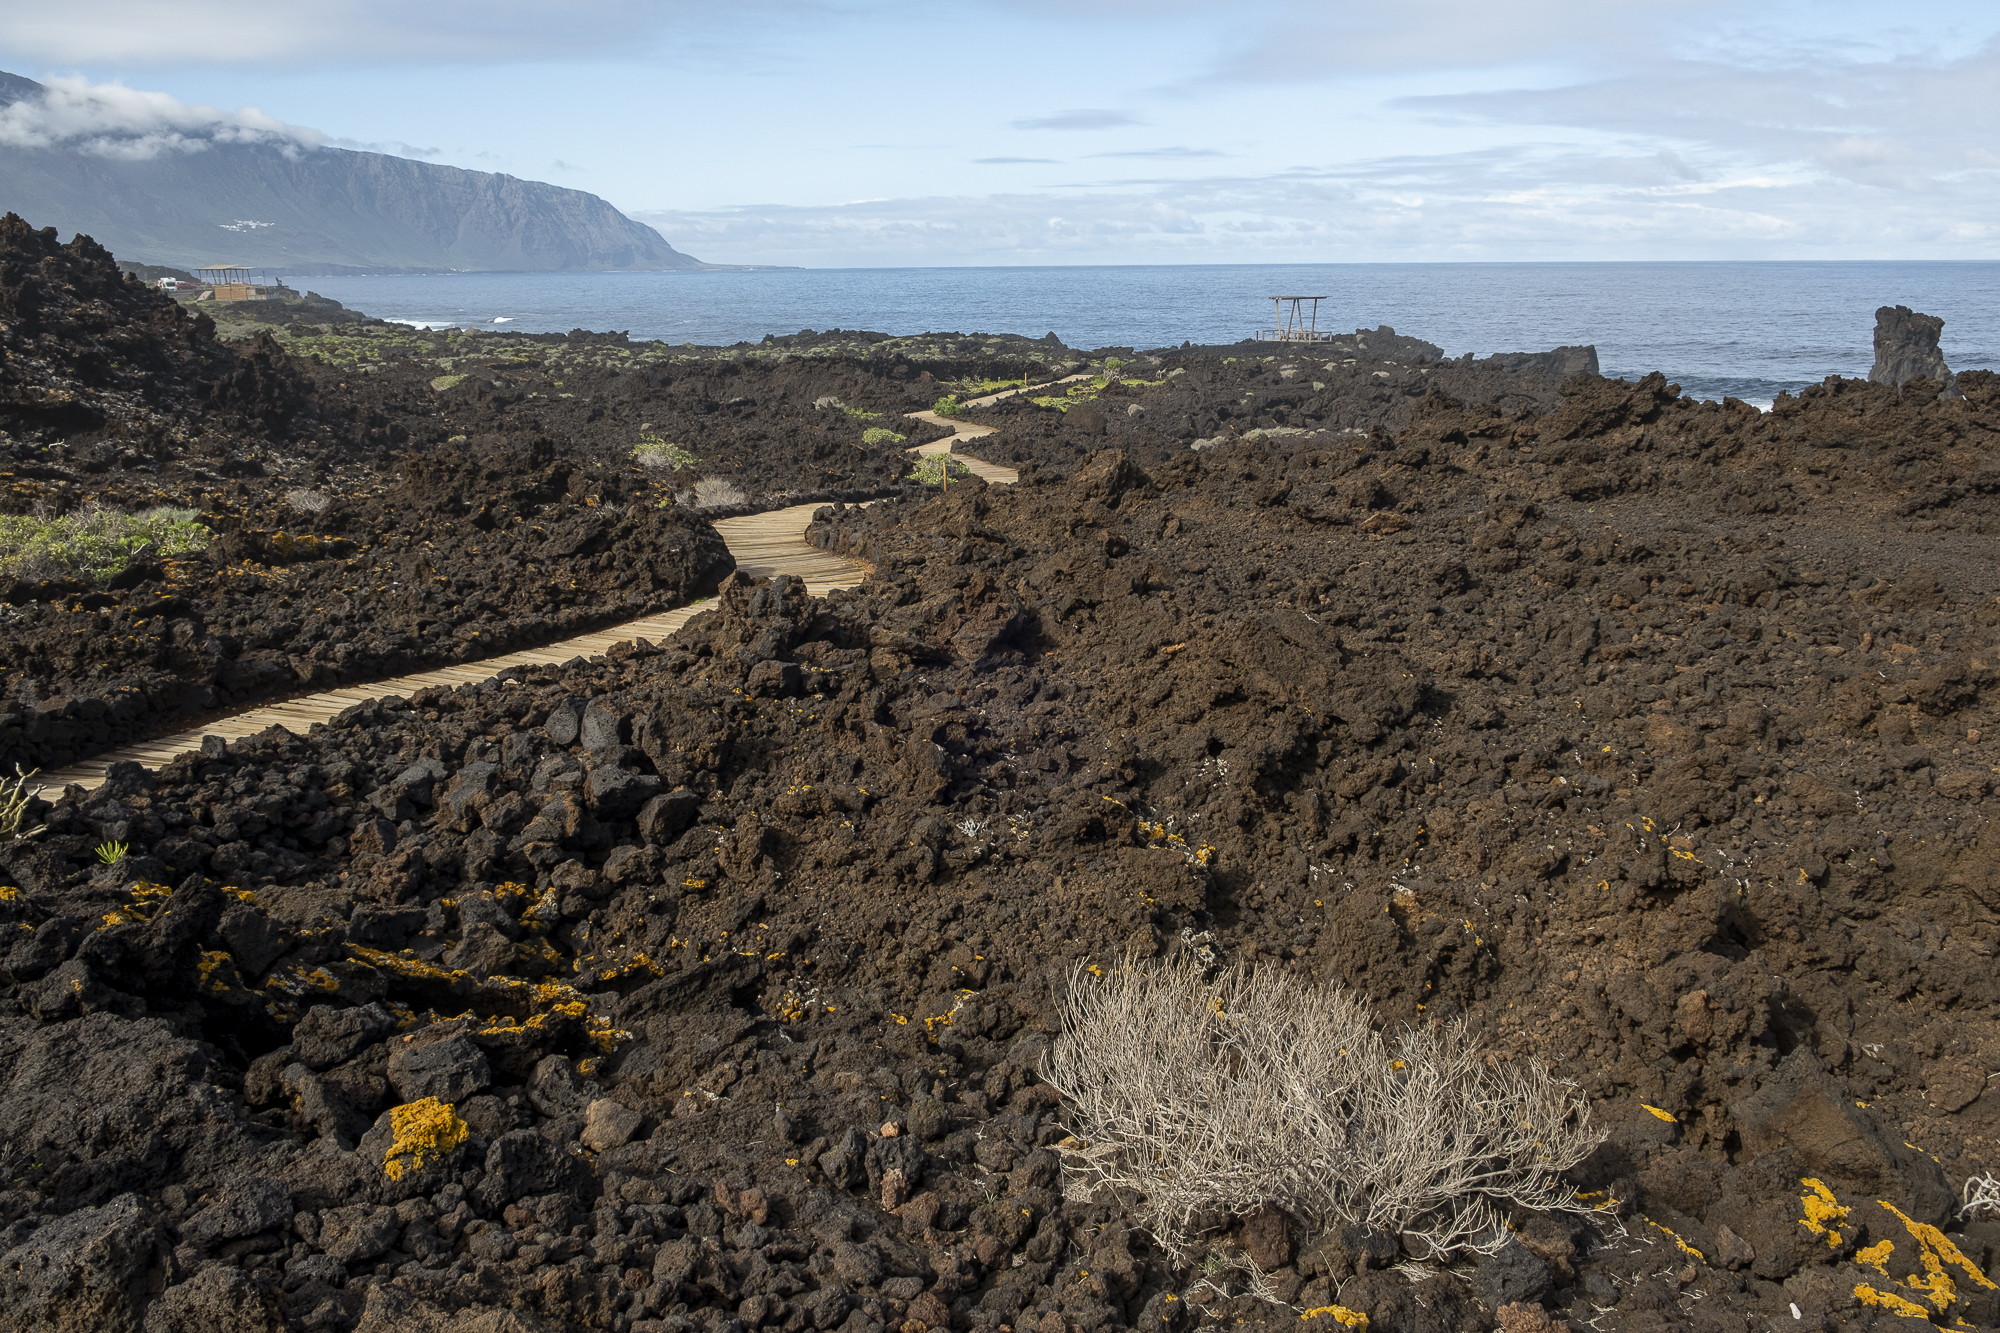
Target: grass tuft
(94, 545)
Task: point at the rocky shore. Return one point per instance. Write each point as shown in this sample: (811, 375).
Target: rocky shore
(711, 985)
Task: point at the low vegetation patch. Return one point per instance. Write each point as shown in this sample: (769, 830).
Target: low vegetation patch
(821, 404)
(94, 545)
(936, 469)
(1086, 390)
(655, 451)
(948, 406)
(979, 388)
(881, 435)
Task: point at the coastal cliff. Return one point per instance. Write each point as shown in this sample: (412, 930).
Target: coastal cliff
(308, 210)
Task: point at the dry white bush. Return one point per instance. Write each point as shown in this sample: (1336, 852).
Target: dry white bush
(1208, 1099)
(1980, 1196)
(305, 501)
(14, 800)
(715, 493)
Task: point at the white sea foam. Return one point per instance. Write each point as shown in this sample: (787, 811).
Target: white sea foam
(503, 319)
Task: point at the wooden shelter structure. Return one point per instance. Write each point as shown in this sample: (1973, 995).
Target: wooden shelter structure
(1296, 324)
(231, 282)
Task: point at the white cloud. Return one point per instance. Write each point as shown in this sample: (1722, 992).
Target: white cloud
(1531, 201)
(144, 32)
(114, 121)
(1176, 153)
(135, 33)
(1083, 118)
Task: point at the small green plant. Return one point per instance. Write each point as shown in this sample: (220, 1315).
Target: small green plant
(881, 435)
(654, 451)
(14, 800)
(937, 469)
(93, 544)
(111, 853)
(948, 406)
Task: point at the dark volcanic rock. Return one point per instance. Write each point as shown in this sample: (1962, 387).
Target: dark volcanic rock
(708, 985)
(1906, 348)
(94, 1270)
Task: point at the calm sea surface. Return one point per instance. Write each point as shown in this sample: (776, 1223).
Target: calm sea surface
(1747, 329)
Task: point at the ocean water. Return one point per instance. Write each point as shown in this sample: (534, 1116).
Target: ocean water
(1746, 329)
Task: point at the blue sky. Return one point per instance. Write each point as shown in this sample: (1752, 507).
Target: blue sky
(892, 132)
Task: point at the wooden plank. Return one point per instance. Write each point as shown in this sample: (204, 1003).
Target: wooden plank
(764, 545)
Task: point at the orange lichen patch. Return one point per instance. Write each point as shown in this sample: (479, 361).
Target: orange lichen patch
(1339, 1314)
(608, 1038)
(637, 964)
(404, 965)
(536, 954)
(421, 1133)
(1679, 1244)
(1876, 1256)
(1825, 1214)
(1890, 1301)
(217, 973)
(1938, 1255)
(147, 899)
(1658, 1114)
(298, 981)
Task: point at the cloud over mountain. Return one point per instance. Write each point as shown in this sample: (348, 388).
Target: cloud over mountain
(111, 120)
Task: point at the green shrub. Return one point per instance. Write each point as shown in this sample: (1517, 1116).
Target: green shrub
(933, 469)
(93, 544)
(881, 435)
(653, 451)
(948, 406)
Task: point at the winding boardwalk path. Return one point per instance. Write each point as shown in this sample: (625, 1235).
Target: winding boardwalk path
(764, 545)
(962, 431)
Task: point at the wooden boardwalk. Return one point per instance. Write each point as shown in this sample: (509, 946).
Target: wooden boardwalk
(765, 545)
(963, 431)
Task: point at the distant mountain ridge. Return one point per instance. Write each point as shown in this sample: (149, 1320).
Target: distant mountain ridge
(288, 208)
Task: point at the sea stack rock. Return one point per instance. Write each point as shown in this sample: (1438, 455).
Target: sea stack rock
(1906, 348)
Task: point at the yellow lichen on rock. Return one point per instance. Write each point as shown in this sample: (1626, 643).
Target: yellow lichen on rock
(1825, 1214)
(421, 1132)
(1890, 1301)
(1339, 1314)
(1935, 1252)
(1876, 1256)
(217, 972)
